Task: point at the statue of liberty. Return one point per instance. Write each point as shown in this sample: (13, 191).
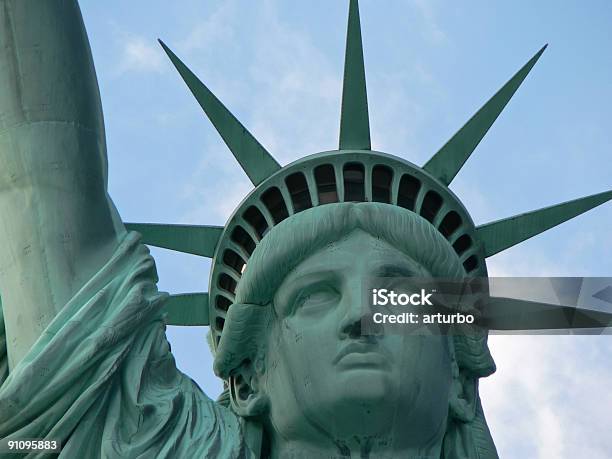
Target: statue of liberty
(83, 353)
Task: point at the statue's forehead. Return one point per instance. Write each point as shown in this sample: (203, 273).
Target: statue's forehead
(357, 248)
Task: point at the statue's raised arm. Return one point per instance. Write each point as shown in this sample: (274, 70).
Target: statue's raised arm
(88, 360)
(58, 226)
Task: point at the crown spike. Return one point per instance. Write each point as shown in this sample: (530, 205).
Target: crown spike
(252, 156)
(502, 234)
(197, 240)
(354, 122)
(449, 160)
(187, 309)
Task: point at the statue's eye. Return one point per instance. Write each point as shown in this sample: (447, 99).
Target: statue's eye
(397, 284)
(317, 296)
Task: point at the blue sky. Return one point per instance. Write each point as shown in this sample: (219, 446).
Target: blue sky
(429, 65)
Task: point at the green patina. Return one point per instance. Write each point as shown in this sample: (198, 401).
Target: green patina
(85, 357)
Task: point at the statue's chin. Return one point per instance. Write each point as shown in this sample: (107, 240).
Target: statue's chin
(364, 404)
(362, 422)
(365, 387)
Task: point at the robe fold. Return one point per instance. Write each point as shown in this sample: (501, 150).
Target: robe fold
(102, 380)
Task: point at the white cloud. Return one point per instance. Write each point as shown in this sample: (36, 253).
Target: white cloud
(139, 55)
(549, 396)
(430, 25)
(297, 96)
(214, 29)
(291, 90)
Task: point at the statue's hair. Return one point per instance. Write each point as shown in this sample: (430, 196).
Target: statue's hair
(311, 230)
(302, 235)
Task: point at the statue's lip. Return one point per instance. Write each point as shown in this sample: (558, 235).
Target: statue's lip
(371, 352)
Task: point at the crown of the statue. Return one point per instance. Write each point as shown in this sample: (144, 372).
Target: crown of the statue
(353, 173)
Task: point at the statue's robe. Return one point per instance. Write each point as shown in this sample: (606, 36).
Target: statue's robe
(102, 380)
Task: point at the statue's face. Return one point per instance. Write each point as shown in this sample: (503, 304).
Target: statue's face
(324, 378)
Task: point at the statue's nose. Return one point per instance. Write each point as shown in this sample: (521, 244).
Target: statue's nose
(351, 328)
(357, 321)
